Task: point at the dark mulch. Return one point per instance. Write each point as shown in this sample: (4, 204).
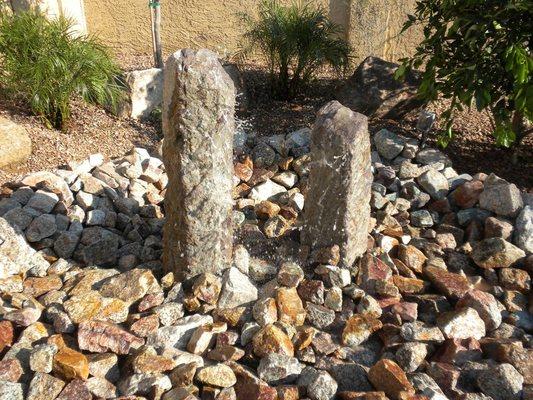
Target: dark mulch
(472, 151)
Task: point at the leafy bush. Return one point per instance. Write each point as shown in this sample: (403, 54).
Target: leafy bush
(42, 64)
(477, 51)
(296, 40)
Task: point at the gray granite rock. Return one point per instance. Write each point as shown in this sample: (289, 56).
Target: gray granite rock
(198, 124)
(339, 212)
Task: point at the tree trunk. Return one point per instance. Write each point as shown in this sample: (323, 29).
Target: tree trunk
(520, 128)
(155, 14)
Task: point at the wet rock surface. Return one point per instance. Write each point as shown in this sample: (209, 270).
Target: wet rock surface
(438, 307)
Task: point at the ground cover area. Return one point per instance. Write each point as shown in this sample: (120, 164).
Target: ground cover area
(438, 307)
(93, 130)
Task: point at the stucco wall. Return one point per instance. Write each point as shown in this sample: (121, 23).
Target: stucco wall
(371, 25)
(125, 24)
(375, 26)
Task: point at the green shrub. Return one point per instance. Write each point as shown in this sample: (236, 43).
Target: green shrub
(44, 66)
(477, 51)
(296, 41)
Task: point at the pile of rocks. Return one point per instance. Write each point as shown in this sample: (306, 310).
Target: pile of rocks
(439, 307)
(93, 212)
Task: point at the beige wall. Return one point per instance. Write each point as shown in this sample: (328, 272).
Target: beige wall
(125, 24)
(375, 26)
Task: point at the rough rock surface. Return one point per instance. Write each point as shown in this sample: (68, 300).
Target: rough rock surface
(339, 213)
(373, 91)
(15, 144)
(198, 123)
(438, 308)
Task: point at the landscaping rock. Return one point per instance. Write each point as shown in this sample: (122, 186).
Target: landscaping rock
(502, 382)
(523, 236)
(346, 165)
(388, 144)
(145, 90)
(373, 91)
(198, 237)
(501, 198)
(496, 253)
(15, 143)
(279, 369)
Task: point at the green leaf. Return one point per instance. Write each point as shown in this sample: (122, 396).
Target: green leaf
(400, 72)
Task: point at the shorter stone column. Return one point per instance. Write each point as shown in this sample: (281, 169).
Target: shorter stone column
(337, 207)
(198, 124)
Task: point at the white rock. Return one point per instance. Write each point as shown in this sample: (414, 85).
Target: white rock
(462, 324)
(179, 334)
(237, 289)
(146, 91)
(266, 190)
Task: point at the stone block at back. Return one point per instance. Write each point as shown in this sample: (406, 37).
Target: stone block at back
(198, 124)
(337, 208)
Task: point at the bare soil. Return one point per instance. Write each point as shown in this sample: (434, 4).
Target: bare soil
(93, 130)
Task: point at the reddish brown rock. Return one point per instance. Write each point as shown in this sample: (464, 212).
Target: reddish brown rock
(288, 392)
(99, 337)
(145, 325)
(183, 375)
(371, 271)
(446, 376)
(249, 386)
(326, 255)
(458, 351)
(75, 390)
(467, 195)
(450, 284)
(387, 376)
(412, 257)
(515, 279)
(242, 171)
(303, 337)
(6, 334)
(362, 396)
(358, 329)
(498, 227)
(510, 351)
(312, 290)
(267, 209)
(36, 287)
(232, 316)
(407, 311)
(150, 301)
(10, 370)
(148, 362)
(411, 396)
(207, 288)
(486, 306)
(226, 353)
(409, 285)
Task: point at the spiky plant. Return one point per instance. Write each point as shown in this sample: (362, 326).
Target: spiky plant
(296, 41)
(44, 65)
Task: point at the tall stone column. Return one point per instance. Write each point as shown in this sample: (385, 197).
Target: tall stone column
(198, 124)
(337, 207)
